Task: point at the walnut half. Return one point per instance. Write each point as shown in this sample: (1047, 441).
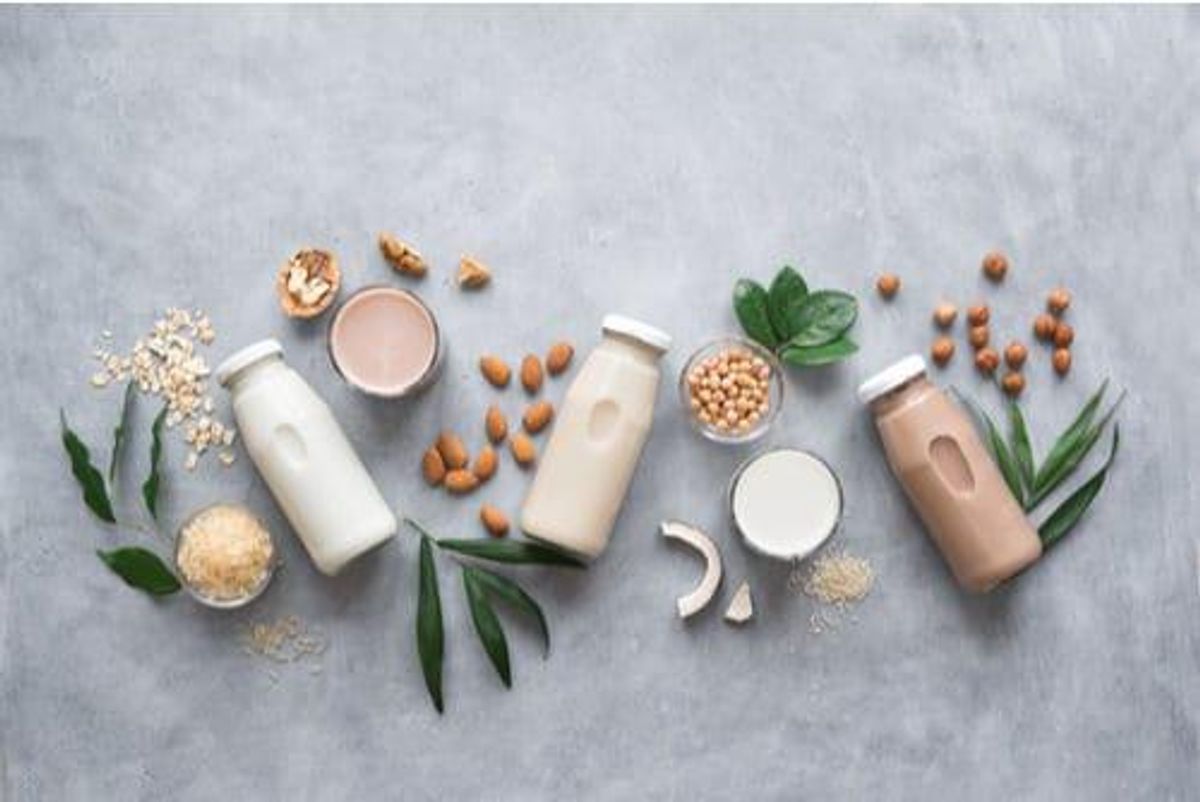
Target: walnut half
(308, 282)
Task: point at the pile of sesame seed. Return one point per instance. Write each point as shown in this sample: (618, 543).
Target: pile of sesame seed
(165, 363)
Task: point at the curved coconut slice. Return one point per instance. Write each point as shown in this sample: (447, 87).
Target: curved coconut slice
(699, 598)
(741, 607)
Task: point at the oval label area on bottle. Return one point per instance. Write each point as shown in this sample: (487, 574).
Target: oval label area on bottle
(292, 450)
(603, 420)
(951, 464)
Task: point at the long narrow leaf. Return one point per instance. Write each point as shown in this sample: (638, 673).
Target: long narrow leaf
(487, 624)
(150, 486)
(1068, 514)
(1004, 459)
(519, 552)
(1069, 460)
(91, 481)
(141, 569)
(119, 433)
(511, 592)
(1022, 449)
(430, 632)
(1074, 431)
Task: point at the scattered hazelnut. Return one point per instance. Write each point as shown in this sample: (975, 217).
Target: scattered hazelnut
(977, 315)
(1061, 361)
(1044, 326)
(978, 337)
(1058, 300)
(1013, 383)
(987, 360)
(944, 315)
(1015, 354)
(1064, 335)
(888, 285)
(942, 350)
(995, 265)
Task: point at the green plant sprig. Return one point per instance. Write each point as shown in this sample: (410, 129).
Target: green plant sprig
(802, 328)
(481, 587)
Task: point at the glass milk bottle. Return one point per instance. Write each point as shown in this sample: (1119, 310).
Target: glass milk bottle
(597, 439)
(949, 477)
(305, 458)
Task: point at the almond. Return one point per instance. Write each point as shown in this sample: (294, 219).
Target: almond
(537, 416)
(485, 464)
(453, 452)
(461, 481)
(495, 424)
(433, 466)
(494, 521)
(531, 374)
(472, 273)
(523, 449)
(495, 370)
(558, 358)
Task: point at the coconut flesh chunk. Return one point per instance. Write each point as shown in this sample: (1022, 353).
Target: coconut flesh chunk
(741, 607)
(704, 592)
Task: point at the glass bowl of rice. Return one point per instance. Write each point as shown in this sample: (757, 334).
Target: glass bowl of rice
(225, 556)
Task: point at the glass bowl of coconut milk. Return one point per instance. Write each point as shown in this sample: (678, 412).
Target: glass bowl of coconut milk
(785, 503)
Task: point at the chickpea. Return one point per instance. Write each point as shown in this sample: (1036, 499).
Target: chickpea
(987, 360)
(944, 315)
(995, 265)
(888, 285)
(1058, 300)
(1061, 361)
(728, 391)
(978, 336)
(1013, 383)
(1015, 354)
(1064, 335)
(1044, 327)
(978, 315)
(942, 350)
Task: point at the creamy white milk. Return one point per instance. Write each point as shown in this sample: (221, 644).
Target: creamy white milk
(786, 503)
(305, 458)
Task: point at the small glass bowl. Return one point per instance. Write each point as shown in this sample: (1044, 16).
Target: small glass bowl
(240, 601)
(774, 391)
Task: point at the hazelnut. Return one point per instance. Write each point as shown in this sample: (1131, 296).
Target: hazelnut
(942, 350)
(1061, 361)
(1015, 354)
(944, 315)
(978, 337)
(977, 315)
(888, 285)
(1013, 383)
(995, 265)
(1058, 300)
(987, 360)
(1044, 326)
(1064, 335)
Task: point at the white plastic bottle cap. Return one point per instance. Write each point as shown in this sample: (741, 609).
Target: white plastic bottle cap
(244, 358)
(656, 338)
(891, 377)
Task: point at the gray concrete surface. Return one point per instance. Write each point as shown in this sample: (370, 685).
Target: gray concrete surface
(618, 159)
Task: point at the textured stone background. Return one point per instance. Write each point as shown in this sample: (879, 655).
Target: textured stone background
(602, 160)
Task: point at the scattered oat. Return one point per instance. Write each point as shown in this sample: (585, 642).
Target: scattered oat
(287, 640)
(839, 579)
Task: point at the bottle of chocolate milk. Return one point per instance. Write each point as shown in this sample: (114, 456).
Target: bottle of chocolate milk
(949, 477)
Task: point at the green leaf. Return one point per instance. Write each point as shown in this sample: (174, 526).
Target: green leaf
(1076, 448)
(1004, 459)
(750, 305)
(91, 481)
(491, 634)
(150, 486)
(823, 317)
(519, 552)
(811, 356)
(511, 592)
(1073, 432)
(430, 633)
(786, 296)
(141, 569)
(1021, 448)
(1063, 519)
(119, 433)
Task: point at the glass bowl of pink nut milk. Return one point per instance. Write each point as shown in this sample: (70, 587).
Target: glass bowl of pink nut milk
(385, 342)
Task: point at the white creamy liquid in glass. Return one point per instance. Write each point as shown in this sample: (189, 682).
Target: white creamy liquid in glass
(786, 503)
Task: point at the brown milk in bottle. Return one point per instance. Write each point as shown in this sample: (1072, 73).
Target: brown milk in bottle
(949, 477)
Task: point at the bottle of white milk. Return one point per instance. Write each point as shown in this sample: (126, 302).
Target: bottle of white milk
(597, 439)
(305, 458)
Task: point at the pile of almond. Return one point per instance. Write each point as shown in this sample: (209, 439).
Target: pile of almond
(448, 463)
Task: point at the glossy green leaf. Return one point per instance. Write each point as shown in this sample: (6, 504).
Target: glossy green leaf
(520, 552)
(119, 433)
(430, 631)
(823, 317)
(1075, 430)
(811, 356)
(487, 624)
(1076, 448)
(150, 486)
(1060, 522)
(91, 481)
(141, 569)
(1022, 449)
(784, 301)
(1004, 458)
(750, 306)
(511, 592)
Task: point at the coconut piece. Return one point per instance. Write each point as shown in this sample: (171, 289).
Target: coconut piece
(741, 607)
(704, 592)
